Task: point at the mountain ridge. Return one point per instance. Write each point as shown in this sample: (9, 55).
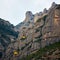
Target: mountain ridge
(7, 33)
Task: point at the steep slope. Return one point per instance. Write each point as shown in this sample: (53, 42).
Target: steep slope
(43, 30)
(7, 33)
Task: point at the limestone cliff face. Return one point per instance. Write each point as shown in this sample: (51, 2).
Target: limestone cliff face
(30, 19)
(51, 28)
(42, 29)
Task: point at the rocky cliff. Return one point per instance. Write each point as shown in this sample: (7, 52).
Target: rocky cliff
(37, 31)
(44, 31)
(29, 20)
(7, 33)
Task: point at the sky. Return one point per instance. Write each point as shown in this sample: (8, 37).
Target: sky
(14, 10)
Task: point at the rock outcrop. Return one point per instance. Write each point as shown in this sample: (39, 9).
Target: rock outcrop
(29, 20)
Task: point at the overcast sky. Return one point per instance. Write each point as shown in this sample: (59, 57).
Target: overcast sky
(14, 10)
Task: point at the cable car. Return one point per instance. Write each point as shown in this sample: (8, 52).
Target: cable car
(23, 37)
(15, 52)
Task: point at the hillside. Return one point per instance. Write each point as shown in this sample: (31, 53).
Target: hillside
(7, 33)
(38, 32)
